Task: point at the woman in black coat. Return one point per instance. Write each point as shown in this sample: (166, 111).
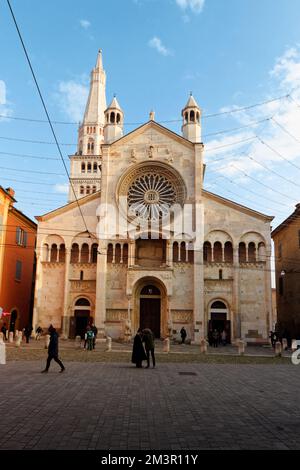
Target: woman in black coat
(138, 351)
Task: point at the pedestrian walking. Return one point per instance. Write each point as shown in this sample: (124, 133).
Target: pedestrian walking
(53, 350)
(183, 334)
(138, 351)
(148, 339)
(27, 332)
(4, 330)
(224, 337)
(38, 332)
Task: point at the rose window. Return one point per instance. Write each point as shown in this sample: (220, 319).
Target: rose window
(150, 196)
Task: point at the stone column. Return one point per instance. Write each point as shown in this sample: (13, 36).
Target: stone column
(131, 253)
(268, 295)
(121, 255)
(169, 250)
(236, 320)
(66, 313)
(38, 289)
(100, 308)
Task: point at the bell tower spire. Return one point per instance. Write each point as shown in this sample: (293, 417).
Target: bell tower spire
(191, 126)
(86, 163)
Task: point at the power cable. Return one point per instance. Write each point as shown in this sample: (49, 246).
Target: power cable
(45, 108)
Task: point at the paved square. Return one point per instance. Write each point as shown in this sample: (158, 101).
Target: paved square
(176, 406)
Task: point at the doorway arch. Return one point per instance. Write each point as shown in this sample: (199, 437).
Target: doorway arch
(159, 293)
(219, 318)
(82, 312)
(150, 308)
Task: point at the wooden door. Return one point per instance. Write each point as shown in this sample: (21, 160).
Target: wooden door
(150, 315)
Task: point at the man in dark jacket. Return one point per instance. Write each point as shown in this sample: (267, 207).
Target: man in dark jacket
(53, 350)
(148, 339)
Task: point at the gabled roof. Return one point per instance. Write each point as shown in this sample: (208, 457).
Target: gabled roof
(235, 205)
(67, 207)
(289, 220)
(23, 217)
(159, 127)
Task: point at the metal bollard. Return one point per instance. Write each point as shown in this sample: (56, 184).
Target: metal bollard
(294, 345)
(278, 349)
(108, 343)
(2, 352)
(166, 346)
(47, 341)
(203, 346)
(241, 347)
(18, 339)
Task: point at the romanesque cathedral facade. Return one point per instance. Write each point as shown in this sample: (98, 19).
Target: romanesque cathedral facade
(141, 243)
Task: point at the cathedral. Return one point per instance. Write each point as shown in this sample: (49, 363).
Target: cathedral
(141, 243)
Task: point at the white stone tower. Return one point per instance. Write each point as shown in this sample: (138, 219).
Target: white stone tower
(114, 119)
(86, 163)
(191, 127)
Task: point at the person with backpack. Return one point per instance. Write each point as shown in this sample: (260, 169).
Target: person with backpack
(89, 338)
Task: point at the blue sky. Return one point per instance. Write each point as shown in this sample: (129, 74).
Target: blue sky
(228, 53)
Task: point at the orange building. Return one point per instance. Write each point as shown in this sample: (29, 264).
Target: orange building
(17, 263)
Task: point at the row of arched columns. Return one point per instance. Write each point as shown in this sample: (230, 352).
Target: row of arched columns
(218, 252)
(56, 253)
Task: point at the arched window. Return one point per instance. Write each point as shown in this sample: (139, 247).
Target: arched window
(81, 189)
(118, 253)
(88, 190)
(218, 305)
(110, 253)
(175, 252)
(207, 252)
(80, 147)
(94, 129)
(220, 274)
(89, 167)
(92, 147)
(186, 117)
(94, 189)
(198, 117)
(118, 118)
(81, 275)
(112, 118)
(94, 252)
(88, 148)
(190, 252)
(75, 253)
(228, 252)
(82, 303)
(242, 252)
(252, 252)
(95, 167)
(62, 253)
(82, 167)
(217, 252)
(107, 118)
(45, 252)
(125, 253)
(53, 256)
(182, 252)
(84, 253)
(192, 116)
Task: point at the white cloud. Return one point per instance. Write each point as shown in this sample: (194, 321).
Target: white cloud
(279, 152)
(72, 97)
(157, 44)
(61, 188)
(5, 110)
(196, 6)
(85, 24)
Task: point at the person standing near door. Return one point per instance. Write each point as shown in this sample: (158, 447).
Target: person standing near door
(148, 339)
(183, 334)
(138, 352)
(53, 350)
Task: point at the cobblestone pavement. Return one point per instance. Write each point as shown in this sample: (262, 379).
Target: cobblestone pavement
(175, 406)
